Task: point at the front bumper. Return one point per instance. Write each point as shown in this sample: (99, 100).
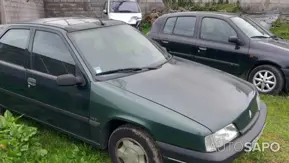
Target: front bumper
(175, 154)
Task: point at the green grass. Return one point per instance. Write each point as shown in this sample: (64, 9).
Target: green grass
(282, 31)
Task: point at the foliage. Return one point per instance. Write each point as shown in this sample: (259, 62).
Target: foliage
(18, 142)
(210, 6)
(280, 29)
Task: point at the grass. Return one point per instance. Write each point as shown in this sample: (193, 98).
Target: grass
(280, 28)
(64, 149)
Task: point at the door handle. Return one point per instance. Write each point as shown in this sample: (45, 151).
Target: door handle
(202, 48)
(31, 82)
(165, 42)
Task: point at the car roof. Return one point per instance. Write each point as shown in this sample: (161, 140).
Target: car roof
(202, 13)
(71, 24)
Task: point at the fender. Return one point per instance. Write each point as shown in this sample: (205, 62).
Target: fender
(120, 120)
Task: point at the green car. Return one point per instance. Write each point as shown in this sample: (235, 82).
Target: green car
(104, 82)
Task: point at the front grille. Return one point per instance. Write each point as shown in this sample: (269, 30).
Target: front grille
(248, 118)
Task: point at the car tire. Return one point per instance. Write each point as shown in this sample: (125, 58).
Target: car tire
(274, 75)
(127, 139)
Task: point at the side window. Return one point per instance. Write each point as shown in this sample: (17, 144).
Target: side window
(13, 45)
(185, 26)
(51, 54)
(216, 30)
(169, 26)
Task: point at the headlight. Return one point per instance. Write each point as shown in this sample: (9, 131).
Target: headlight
(221, 137)
(258, 101)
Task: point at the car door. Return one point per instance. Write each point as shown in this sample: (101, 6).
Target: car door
(178, 36)
(64, 107)
(215, 50)
(14, 59)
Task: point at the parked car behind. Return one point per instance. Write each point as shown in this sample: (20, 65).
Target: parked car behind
(230, 42)
(107, 84)
(127, 11)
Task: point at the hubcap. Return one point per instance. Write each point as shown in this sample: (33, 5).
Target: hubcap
(265, 81)
(129, 151)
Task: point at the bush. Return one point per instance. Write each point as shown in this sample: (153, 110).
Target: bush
(18, 143)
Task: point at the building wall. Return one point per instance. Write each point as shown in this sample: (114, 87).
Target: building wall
(21, 10)
(55, 8)
(88, 7)
(281, 6)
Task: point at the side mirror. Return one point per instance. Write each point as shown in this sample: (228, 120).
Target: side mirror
(104, 11)
(69, 80)
(235, 39)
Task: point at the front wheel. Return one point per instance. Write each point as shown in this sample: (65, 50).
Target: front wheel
(267, 79)
(130, 144)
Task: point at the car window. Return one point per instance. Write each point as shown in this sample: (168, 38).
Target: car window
(13, 45)
(169, 26)
(51, 54)
(116, 47)
(185, 26)
(249, 28)
(216, 30)
(124, 7)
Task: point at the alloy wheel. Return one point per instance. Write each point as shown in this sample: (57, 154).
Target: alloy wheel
(129, 151)
(265, 81)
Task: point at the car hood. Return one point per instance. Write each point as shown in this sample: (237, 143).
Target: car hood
(125, 17)
(272, 46)
(208, 96)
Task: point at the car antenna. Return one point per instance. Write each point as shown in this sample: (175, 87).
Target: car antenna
(99, 19)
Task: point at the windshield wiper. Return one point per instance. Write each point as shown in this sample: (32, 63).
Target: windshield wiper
(275, 37)
(260, 36)
(127, 70)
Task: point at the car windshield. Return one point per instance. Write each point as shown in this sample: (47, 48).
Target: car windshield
(249, 29)
(117, 47)
(124, 7)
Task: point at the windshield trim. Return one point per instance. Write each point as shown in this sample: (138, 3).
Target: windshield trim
(166, 55)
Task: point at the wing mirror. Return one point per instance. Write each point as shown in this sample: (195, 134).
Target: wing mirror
(69, 80)
(235, 40)
(104, 11)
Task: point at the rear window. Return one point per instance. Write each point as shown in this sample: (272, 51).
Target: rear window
(169, 26)
(184, 25)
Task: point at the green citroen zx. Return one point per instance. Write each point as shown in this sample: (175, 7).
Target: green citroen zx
(105, 83)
